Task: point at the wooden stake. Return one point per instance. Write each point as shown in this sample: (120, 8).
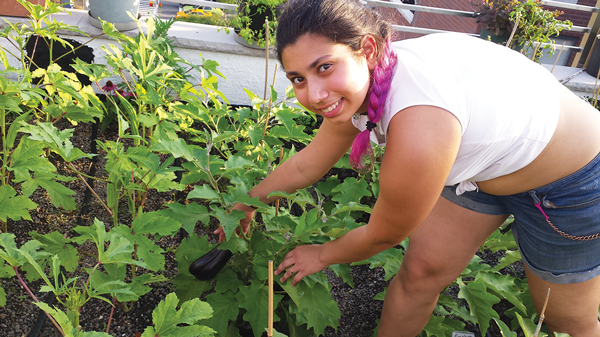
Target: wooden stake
(596, 91)
(270, 103)
(558, 56)
(539, 326)
(537, 47)
(277, 201)
(512, 34)
(270, 323)
(267, 57)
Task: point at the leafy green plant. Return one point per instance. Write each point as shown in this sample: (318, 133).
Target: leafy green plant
(58, 95)
(161, 118)
(73, 293)
(218, 18)
(523, 23)
(249, 23)
(536, 25)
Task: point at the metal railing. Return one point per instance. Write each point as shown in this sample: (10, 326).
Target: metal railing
(425, 9)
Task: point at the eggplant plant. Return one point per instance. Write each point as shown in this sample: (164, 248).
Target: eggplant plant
(161, 120)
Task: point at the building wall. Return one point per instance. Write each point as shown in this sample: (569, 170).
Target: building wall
(469, 25)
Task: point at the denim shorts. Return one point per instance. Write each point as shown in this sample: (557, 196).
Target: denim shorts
(571, 204)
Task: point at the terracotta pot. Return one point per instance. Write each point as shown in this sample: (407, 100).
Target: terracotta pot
(13, 8)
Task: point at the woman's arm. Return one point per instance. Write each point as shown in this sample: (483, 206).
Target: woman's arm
(422, 145)
(304, 168)
(310, 164)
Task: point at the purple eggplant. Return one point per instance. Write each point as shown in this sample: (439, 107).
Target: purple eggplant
(206, 267)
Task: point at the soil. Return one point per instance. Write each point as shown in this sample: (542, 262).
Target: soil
(359, 312)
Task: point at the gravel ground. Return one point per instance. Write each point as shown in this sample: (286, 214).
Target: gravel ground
(359, 311)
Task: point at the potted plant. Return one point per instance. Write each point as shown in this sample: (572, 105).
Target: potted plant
(494, 16)
(532, 24)
(249, 23)
(121, 13)
(536, 25)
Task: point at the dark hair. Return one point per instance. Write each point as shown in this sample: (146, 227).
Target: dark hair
(341, 21)
(345, 22)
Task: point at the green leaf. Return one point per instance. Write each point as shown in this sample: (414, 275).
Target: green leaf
(351, 190)
(480, 303)
(57, 245)
(504, 329)
(29, 156)
(188, 214)
(235, 245)
(58, 141)
(225, 309)
(155, 223)
(236, 162)
(456, 309)
(112, 282)
(509, 258)
(435, 327)
(317, 308)
(203, 192)
(60, 317)
(343, 271)
(167, 319)
(503, 286)
(229, 221)
(2, 297)
(190, 249)
(255, 299)
(528, 327)
(350, 207)
(498, 241)
(60, 195)
(14, 207)
(178, 148)
(227, 280)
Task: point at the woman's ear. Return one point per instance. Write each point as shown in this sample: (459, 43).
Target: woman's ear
(369, 49)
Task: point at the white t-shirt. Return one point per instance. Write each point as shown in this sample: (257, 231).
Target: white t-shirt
(507, 105)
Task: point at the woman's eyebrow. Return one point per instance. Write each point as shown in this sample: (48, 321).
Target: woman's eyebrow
(311, 66)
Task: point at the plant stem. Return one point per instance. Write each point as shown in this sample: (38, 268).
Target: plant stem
(92, 190)
(87, 176)
(36, 300)
(112, 310)
(4, 145)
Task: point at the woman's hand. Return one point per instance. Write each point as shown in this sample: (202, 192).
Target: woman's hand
(244, 223)
(302, 261)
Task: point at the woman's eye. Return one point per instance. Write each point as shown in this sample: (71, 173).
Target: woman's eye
(297, 80)
(324, 67)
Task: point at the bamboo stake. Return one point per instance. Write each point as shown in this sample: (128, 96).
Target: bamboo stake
(539, 326)
(537, 47)
(270, 103)
(277, 201)
(270, 323)
(558, 56)
(512, 34)
(596, 88)
(267, 57)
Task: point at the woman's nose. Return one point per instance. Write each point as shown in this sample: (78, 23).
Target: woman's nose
(317, 93)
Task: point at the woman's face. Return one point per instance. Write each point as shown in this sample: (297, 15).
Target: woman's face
(328, 78)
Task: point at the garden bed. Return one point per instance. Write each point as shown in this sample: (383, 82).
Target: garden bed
(168, 161)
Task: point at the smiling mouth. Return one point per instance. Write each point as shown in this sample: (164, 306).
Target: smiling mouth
(331, 107)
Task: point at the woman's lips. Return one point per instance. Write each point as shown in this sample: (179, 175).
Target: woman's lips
(331, 110)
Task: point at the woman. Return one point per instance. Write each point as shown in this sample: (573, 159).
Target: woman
(473, 132)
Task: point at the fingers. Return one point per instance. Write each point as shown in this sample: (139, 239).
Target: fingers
(221, 233)
(287, 267)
